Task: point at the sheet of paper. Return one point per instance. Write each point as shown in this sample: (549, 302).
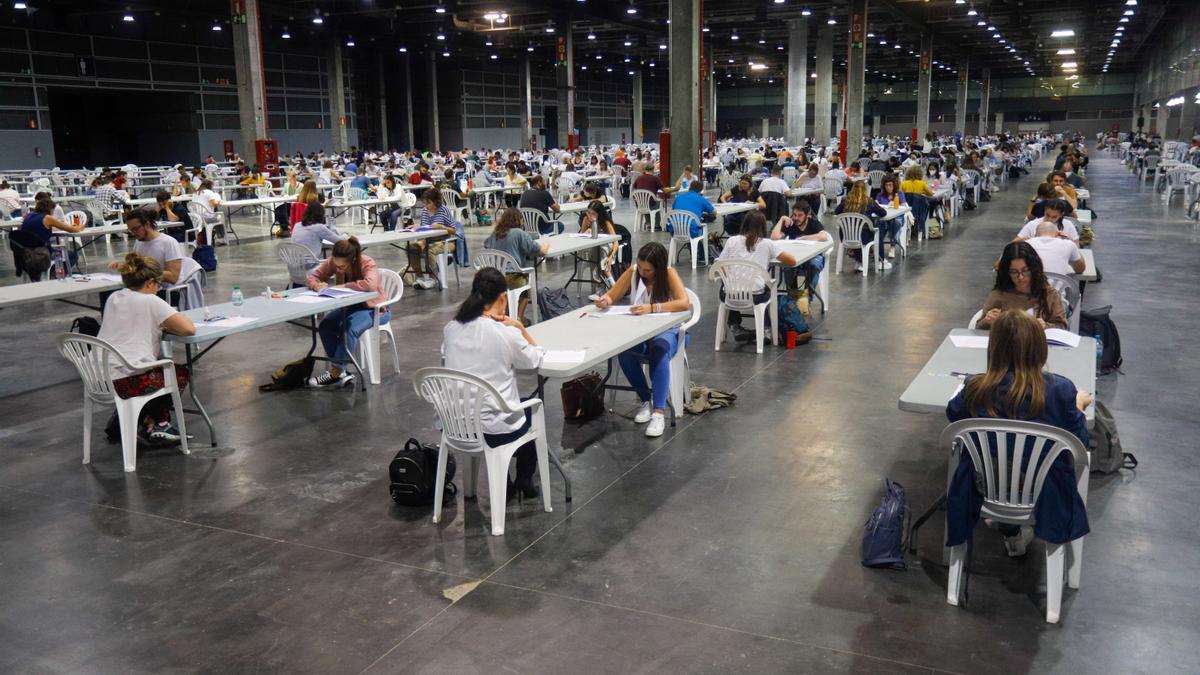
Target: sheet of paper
(1058, 336)
(969, 341)
(228, 322)
(309, 298)
(806, 242)
(618, 310)
(564, 357)
(102, 276)
(333, 292)
(580, 235)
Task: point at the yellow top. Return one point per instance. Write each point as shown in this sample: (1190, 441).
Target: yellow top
(916, 187)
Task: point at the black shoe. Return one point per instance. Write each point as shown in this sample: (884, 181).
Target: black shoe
(741, 334)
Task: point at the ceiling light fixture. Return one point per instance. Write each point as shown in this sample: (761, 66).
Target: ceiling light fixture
(1065, 52)
(831, 21)
(216, 27)
(128, 18)
(972, 12)
(20, 5)
(440, 9)
(1063, 32)
(591, 36)
(286, 35)
(806, 12)
(318, 20)
(631, 9)
(350, 42)
(403, 49)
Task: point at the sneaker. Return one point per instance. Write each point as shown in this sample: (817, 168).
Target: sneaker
(161, 434)
(658, 424)
(326, 379)
(1016, 545)
(885, 265)
(643, 413)
(740, 334)
(858, 267)
(891, 252)
(425, 283)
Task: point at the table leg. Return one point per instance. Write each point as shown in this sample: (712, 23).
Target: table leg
(191, 364)
(540, 393)
(533, 291)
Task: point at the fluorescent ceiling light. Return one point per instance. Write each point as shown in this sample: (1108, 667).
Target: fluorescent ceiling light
(758, 66)
(1069, 64)
(128, 18)
(1063, 32)
(1065, 52)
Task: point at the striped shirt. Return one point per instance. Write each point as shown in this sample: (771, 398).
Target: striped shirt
(440, 218)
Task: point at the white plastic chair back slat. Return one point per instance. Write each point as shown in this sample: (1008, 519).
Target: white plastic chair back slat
(833, 187)
(876, 178)
(392, 286)
(740, 280)
(851, 227)
(642, 200)
(296, 257)
(92, 358)
(490, 257)
(459, 398)
(680, 223)
(1068, 289)
(531, 220)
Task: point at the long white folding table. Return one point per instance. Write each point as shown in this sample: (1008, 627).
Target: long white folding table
(804, 250)
(562, 245)
(1089, 266)
(401, 239)
(256, 312)
(600, 337)
(63, 290)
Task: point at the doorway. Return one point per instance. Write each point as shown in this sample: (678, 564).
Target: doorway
(550, 126)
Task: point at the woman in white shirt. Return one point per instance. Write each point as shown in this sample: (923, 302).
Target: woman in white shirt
(755, 245)
(133, 323)
(656, 287)
(207, 201)
(484, 341)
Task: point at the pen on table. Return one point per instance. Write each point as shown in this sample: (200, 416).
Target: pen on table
(955, 373)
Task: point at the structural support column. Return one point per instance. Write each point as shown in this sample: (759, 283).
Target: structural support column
(565, 72)
(526, 104)
(248, 62)
(876, 125)
(839, 108)
(1164, 116)
(435, 126)
(766, 127)
(337, 100)
(999, 123)
(708, 103)
(383, 125)
(856, 78)
(638, 130)
(960, 106)
(797, 81)
(983, 101)
(924, 83)
(408, 102)
(1187, 115)
(685, 87)
(823, 92)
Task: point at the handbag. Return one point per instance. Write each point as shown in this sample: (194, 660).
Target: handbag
(583, 397)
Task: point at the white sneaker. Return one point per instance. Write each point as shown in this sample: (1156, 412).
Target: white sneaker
(643, 413)
(892, 252)
(425, 283)
(1016, 545)
(658, 424)
(858, 267)
(885, 265)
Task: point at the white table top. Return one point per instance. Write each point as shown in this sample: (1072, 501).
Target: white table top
(580, 206)
(408, 186)
(62, 200)
(486, 190)
(256, 201)
(804, 192)
(264, 312)
(934, 385)
(602, 337)
(728, 208)
(394, 237)
(1083, 216)
(372, 201)
(1081, 193)
(893, 212)
(57, 289)
(566, 244)
(804, 250)
(1089, 269)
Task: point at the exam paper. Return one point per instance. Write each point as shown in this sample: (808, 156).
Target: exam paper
(228, 322)
(563, 357)
(970, 341)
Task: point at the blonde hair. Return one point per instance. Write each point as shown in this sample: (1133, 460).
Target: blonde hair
(915, 172)
(136, 270)
(858, 199)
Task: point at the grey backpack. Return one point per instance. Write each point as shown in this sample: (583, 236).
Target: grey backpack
(1107, 456)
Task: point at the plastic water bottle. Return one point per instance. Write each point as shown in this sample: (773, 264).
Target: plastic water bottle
(1099, 351)
(58, 266)
(237, 300)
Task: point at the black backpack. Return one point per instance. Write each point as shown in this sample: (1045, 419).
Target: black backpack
(291, 376)
(883, 537)
(413, 474)
(624, 190)
(206, 256)
(1096, 322)
(86, 325)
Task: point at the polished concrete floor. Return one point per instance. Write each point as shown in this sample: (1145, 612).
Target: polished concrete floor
(729, 544)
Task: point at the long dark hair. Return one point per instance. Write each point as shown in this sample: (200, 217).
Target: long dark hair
(509, 219)
(488, 286)
(315, 213)
(656, 254)
(754, 228)
(349, 249)
(1039, 288)
(602, 216)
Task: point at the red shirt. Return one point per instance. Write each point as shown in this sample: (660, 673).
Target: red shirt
(415, 178)
(119, 182)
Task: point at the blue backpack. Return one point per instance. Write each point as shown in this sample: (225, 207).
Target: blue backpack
(883, 535)
(790, 317)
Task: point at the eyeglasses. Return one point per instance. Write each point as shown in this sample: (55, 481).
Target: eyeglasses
(1017, 274)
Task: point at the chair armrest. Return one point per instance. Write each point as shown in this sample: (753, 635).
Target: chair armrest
(533, 404)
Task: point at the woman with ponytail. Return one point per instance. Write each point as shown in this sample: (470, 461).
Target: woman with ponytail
(133, 323)
(341, 328)
(485, 341)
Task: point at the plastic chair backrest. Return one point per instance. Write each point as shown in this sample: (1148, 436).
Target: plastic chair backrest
(971, 174)
(694, 304)
(263, 191)
(850, 228)
(790, 174)
(77, 217)
(490, 257)
(1012, 478)
(975, 319)
(876, 178)
(392, 286)
(295, 256)
(740, 280)
(642, 199)
(1068, 288)
(680, 223)
(356, 194)
(531, 220)
(833, 187)
(92, 357)
(459, 399)
(449, 198)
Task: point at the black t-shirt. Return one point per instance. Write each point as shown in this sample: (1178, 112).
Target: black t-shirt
(738, 195)
(811, 227)
(536, 199)
(1039, 209)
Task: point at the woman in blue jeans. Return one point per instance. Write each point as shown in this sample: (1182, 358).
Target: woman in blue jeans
(341, 328)
(655, 287)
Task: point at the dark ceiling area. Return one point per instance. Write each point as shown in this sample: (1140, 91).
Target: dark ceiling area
(1013, 38)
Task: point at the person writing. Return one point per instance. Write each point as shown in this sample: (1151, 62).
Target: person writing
(755, 246)
(309, 195)
(538, 197)
(655, 287)
(484, 341)
(177, 269)
(1017, 387)
(509, 237)
(890, 196)
(340, 329)
(696, 204)
(133, 323)
(312, 231)
(859, 201)
(1053, 212)
(802, 224)
(422, 255)
(1021, 285)
(1058, 254)
(41, 223)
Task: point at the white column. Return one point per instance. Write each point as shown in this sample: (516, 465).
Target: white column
(823, 91)
(797, 81)
(248, 64)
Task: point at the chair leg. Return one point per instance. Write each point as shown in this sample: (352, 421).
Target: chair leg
(395, 351)
(439, 484)
(773, 308)
(695, 251)
(958, 557)
(722, 317)
(1075, 569)
(840, 255)
(180, 423)
(759, 312)
(127, 415)
(497, 488)
(471, 479)
(543, 458)
(88, 411)
(1054, 580)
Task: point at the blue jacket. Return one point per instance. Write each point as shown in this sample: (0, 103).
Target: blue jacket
(1060, 513)
(695, 203)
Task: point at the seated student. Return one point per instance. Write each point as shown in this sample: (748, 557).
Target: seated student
(291, 186)
(695, 203)
(253, 180)
(1016, 387)
(340, 329)
(685, 180)
(309, 195)
(1070, 177)
(483, 341)
(655, 287)
(312, 231)
(755, 246)
(1021, 285)
(422, 255)
(508, 236)
(740, 193)
(859, 201)
(802, 224)
(360, 180)
(133, 323)
(1059, 255)
(811, 179)
(206, 203)
(1037, 205)
(890, 196)
(1053, 211)
(179, 273)
(10, 199)
(774, 182)
(389, 213)
(538, 197)
(1062, 188)
(41, 223)
(169, 212)
(650, 182)
(598, 216)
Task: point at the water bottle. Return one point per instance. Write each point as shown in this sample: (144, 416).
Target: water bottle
(58, 268)
(237, 300)
(1099, 351)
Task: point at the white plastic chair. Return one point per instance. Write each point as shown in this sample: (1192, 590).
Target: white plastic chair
(506, 264)
(850, 227)
(1149, 167)
(92, 357)
(368, 347)
(740, 279)
(458, 206)
(679, 390)
(1068, 288)
(532, 220)
(680, 223)
(832, 194)
(875, 178)
(642, 199)
(1177, 181)
(974, 181)
(1012, 481)
(460, 399)
(975, 319)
